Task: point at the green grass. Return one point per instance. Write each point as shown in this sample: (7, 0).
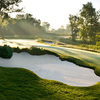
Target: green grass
(22, 84)
(81, 45)
(80, 57)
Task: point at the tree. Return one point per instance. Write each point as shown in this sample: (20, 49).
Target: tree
(74, 26)
(46, 25)
(98, 39)
(60, 30)
(83, 29)
(6, 7)
(20, 16)
(33, 21)
(68, 29)
(90, 21)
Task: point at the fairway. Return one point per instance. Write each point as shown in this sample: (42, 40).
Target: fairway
(87, 56)
(49, 50)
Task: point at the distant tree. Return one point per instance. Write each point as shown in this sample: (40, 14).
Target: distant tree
(28, 16)
(68, 29)
(46, 25)
(98, 39)
(83, 29)
(90, 21)
(60, 30)
(29, 19)
(6, 7)
(33, 21)
(53, 31)
(74, 26)
(62, 26)
(20, 16)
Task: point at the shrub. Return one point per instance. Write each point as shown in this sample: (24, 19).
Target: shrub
(18, 50)
(6, 51)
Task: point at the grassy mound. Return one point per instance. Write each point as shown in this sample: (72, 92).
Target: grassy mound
(22, 84)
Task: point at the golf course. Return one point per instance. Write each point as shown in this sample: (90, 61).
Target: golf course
(25, 84)
(49, 49)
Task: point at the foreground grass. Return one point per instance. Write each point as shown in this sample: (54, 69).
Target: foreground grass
(22, 84)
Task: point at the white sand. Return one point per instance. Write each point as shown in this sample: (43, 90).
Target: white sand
(51, 67)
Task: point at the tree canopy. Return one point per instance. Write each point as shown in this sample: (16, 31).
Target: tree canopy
(6, 7)
(86, 23)
(74, 26)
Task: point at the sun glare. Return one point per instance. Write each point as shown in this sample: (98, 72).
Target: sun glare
(55, 12)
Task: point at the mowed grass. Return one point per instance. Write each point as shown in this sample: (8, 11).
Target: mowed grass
(87, 56)
(22, 84)
(80, 57)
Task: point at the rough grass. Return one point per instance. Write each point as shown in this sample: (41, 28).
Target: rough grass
(22, 84)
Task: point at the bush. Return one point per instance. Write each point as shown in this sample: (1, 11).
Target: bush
(6, 51)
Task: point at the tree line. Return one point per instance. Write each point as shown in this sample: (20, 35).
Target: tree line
(10, 6)
(86, 24)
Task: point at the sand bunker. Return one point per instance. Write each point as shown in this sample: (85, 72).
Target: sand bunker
(51, 67)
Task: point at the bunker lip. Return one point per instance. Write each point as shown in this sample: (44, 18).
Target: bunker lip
(52, 68)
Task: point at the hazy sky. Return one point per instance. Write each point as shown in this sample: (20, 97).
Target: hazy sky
(56, 12)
